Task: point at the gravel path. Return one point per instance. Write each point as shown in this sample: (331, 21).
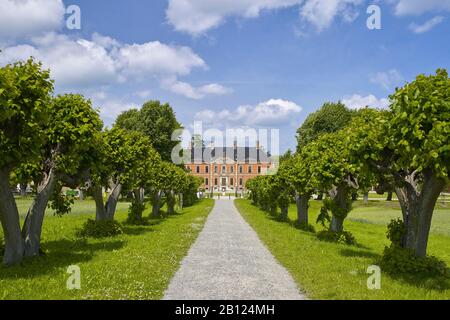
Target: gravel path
(229, 262)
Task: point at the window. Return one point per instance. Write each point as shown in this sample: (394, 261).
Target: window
(198, 169)
(207, 169)
(240, 169)
(206, 182)
(231, 182)
(259, 169)
(215, 182)
(216, 169)
(188, 168)
(232, 169)
(240, 182)
(224, 169)
(249, 169)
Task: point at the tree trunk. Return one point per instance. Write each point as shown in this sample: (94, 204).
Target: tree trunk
(156, 204)
(32, 227)
(9, 218)
(181, 201)
(337, 224)
(111, 203)
(284, 212)
(23, 189)
(100, 210)
(340, 196)
(170, 203)
(81, 194)
(417, 208)
(366, 198)
(302, 209)
(273, 210)
(137, 194)
(389, 196)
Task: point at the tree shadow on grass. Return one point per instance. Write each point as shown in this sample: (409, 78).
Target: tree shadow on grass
(358, 253)
(435, 283)
(58, 254)
(132, 230)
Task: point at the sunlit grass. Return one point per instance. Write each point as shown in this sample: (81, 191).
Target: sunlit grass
(136, 265)
(334, 271)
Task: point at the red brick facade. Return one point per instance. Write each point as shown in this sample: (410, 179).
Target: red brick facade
(227, 177)
(227, 169)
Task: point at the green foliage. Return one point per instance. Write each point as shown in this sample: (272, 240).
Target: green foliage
(100, 229)
(420, 124)
(72, 130)
(400, 261)
(324, 217)
(25, 93)
(331, 117)
(396, 232)
(344, 237)
(157, 121)
(135, 213)
(190, 190)
(61, 204)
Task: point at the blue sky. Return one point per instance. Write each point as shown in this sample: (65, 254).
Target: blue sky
(230, 63)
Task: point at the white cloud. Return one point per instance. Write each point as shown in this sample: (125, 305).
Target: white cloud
(387, 80)
(81, 63)
(357, 101)
(26, 18)
(73, 63)
(189, 91)
(418, 7)
(158, 58)
(271, 112)
(111, 108)
(427, 26)
(321, 13)
(143, 94)
(198, 16)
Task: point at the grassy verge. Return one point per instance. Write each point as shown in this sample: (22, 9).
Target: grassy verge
(333, 271)
(136, 265)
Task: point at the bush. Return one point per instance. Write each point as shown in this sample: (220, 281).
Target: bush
(400, 261)
(344, 237)
(135, 213)
(396, 232)
(100, 229)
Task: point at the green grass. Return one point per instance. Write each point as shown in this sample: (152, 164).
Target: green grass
(334, 271)
(136, 265)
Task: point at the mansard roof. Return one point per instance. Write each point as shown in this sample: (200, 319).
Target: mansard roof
(228, 154)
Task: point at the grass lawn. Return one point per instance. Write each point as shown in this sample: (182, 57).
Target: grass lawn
(136, 265)
(334, 271)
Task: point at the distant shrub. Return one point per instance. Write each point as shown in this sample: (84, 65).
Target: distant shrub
(344, 237)
(100, 229)
(135, 214)
(400, 261)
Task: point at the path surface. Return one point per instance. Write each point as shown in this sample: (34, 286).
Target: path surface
(229, 262)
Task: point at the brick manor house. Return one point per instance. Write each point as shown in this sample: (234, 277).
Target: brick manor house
(227, 169)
